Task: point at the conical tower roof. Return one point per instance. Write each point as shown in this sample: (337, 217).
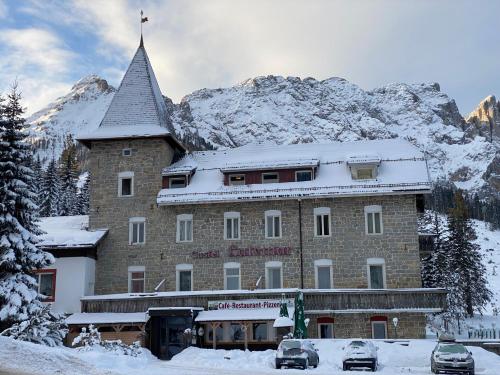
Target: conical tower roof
(137, 109)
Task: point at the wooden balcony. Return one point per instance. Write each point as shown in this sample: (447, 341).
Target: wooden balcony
(334, 300)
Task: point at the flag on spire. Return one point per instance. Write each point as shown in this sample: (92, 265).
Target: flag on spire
(143, 19)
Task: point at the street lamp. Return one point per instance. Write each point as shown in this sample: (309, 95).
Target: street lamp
(395, 321)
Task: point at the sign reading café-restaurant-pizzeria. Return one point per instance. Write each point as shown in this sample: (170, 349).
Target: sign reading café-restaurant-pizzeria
(249, 304)
(235, 251)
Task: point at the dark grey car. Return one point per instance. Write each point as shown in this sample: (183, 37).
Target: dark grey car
(296, 353)
(451, 358)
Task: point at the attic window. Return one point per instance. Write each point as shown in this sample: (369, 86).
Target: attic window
(270, 178)
(303, 175)
(237, 179)
(177, 182)
(364, 172)
(127, 152)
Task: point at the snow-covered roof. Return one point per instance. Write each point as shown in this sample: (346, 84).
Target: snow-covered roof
(107, 318)
(403, 169)
(68, 231)
(354, 159)
(186, 165)
(239, 315)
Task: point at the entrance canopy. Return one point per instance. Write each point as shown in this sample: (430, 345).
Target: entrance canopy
(239, 315)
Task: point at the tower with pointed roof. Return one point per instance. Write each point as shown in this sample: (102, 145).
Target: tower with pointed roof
(133, 142)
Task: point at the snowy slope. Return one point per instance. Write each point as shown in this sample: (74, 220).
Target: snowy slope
(79, 111)
(490, 247)
(293, 110)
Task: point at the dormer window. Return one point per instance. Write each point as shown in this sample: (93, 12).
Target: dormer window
(236, 179)
(365, 173)
(177, 182)
(270, 177)
(303, 176)
(363, 167)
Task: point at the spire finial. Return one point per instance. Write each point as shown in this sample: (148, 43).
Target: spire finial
(143, 19)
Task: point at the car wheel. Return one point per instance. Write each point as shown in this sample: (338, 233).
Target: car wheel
(278, 366)
(306, 364)
(471, 372)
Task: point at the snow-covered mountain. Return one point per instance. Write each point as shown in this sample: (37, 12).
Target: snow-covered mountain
(294, 110)
(80, 110)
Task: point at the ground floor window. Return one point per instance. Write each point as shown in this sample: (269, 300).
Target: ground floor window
(47, 284)
(259, 331)
(219, 333)
(326, 328)
(379, 327)
(234, 332)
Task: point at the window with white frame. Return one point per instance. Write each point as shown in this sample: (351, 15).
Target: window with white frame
(322, 221)
(137, 231)
(323, 273)
(236, 179)
(305, 175)
(127, 152)
(125, 184)
(47, 284)
(231, 225)
(232, 276)
(185, 228)
(373, 220)
(177, 182)
(273, 223)
(274, 275)
(184, 277)
(376, 273)
(136, 279)
(270, 177)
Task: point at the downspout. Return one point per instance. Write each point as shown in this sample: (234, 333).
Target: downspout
(300, 246)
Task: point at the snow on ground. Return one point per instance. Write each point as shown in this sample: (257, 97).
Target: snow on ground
(490, 248)
(25, 358)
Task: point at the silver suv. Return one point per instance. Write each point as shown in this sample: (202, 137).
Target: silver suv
(296, 353)
(451, 357)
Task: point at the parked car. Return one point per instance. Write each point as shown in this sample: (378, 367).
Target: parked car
(296, 353)
(451, 357)
(360, 353)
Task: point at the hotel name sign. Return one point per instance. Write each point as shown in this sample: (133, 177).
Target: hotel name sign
(235, 251)
(249, 304)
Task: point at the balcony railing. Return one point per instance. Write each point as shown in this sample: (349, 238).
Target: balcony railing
(334, 300)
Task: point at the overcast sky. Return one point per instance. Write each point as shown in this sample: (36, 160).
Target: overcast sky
(48, 45)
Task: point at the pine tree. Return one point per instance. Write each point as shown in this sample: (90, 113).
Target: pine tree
(465, 260)
(84, 197)
(37, 181)
(51, 191)
(68, 173)
(19, 255)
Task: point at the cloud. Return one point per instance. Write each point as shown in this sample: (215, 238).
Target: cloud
(4, 10)
(217, 43)
(38, 60)
(195, 44)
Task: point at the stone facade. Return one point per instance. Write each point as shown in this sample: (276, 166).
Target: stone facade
(348, 246)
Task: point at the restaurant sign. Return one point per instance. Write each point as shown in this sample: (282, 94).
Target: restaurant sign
(249, 304)
(235, 251)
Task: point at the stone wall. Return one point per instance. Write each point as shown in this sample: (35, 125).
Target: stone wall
(348, 246)
(410, 325)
